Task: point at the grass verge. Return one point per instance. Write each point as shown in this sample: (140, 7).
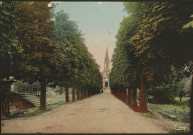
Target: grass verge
(178, 111)
(176, 128)
(149, 115)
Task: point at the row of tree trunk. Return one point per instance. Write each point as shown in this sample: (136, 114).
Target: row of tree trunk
(77, 94)
(129, 96)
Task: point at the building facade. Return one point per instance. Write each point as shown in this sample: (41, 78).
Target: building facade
(106, 71)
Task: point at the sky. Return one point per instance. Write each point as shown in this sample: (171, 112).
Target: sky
(99, 22)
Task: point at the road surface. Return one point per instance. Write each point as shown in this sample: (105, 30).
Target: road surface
(102, 113)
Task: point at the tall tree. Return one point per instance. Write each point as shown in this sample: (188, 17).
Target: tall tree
(71, 43)
(9, 46)
(126, 66)
(155, 44)
(40, 59)
(160, 38)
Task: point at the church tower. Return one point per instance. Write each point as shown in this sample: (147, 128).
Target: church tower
(106, 71)
(106, 62)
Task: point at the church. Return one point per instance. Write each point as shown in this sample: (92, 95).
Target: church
(106, 71)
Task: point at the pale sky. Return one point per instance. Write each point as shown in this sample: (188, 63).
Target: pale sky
(99, 21)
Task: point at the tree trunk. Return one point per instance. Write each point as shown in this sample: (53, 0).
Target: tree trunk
(143, 97)
(84, 94)
(180, 99)
(67, 94)
(116, 93)
(126, 95)
(129, 97)
(81, 94)
(87, 93)
(73, 95)
(43, 95)
(124, 99)
(134, 98)
(119, 94)
(77, 94)
(191, 106)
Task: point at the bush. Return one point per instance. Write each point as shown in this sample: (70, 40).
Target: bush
(25, 87)
(163, 94)
(59, 90)
(166, 93)
(50, 94)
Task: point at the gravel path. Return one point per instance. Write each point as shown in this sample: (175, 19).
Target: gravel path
(102, 113)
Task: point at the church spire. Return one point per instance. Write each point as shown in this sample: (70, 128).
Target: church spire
(106, 71)
(106, 62)
(106, 55)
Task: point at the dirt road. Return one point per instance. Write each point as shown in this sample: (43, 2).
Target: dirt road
(102, 113)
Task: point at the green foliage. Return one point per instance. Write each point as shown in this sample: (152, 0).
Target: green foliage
(9, 46)
(184, 101)
(151, 43)
(175, 87)
(84, 72)
(163, 94)
(174, 112)
(30, 28)
(149, 115)
(59, 90)
(53, 98)
(161, 41)
(36, 48)
(21, 86)
(185, 86)
(178, 129)
(126, 67)
(26, 87)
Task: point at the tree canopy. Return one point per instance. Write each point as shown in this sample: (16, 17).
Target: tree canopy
(38, 45)
(151, 42)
